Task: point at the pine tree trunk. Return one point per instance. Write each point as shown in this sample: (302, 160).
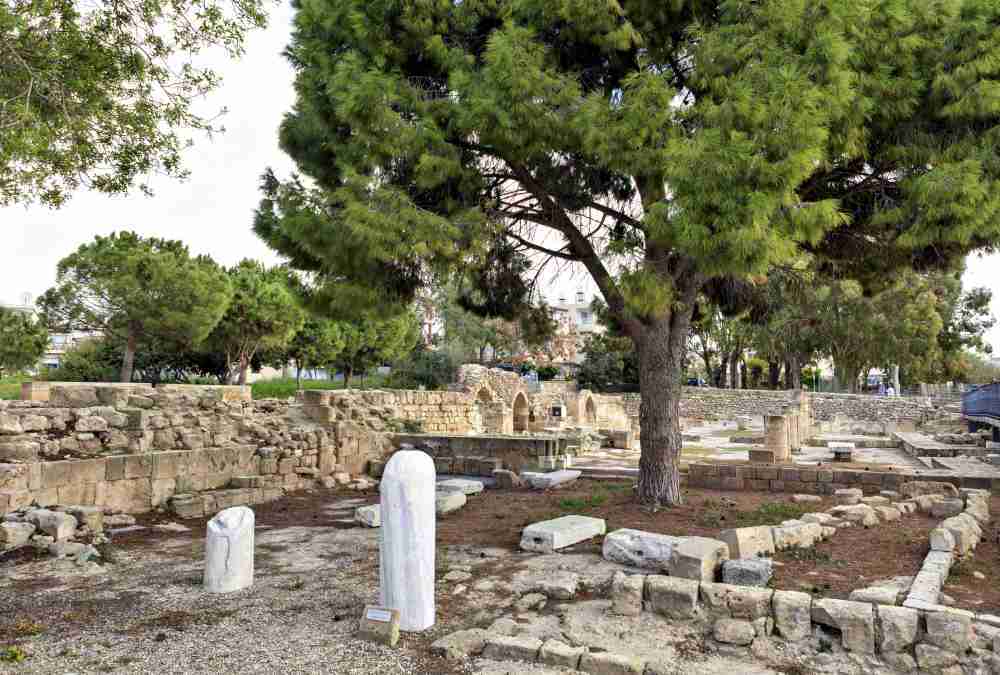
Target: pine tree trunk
(773, 374)
(734, 371)
(244, 365)
(128, 360)
(348, 372)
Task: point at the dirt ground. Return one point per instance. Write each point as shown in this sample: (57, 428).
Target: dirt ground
(316, 570)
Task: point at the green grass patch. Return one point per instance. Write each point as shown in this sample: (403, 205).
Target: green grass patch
(10, 387)
(596, 500)
(770, 513)
(286, 387)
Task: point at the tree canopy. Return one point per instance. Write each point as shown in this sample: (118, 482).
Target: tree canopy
(98, 94)
(137, 290)
(23, 340)
(672, 150)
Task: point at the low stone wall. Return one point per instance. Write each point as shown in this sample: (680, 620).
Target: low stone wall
(431, 411)
(41, 391)
(818, 481)
(138, 447)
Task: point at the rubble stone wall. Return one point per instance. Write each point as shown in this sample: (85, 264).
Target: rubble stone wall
(139, 447)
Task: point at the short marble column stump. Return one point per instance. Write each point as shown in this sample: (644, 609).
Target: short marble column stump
(229, 551)
(407, 539)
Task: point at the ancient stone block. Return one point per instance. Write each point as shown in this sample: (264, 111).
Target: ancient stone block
(639, 549)
(608, 663)
(627, 593)
(949, 630)
(559, 654)
(507, 648)
(792, 614)
(733, 631)
(747, 572)
(698, 558)
(672, 597)
(897, 628)
(748, 542)
(854, 620)
(551, 535)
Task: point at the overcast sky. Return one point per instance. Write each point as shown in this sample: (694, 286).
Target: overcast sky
(212, 211)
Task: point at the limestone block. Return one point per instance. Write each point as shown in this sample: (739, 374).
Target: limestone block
(10, 425)
(876, 595)
(965, 530)
(407, 538)
(508, 648)
(461, 644)
(464, 485)
(859, 514)
(875, 501)
(19, 450)
(626, 594)
(942, 540)
(34, 423)
(53, 523)
(933, 659)
(369, 516)
(796, 536)
(697, 558)
(446, 502)
(949, 630)
(897, 628)
(806, 499)
(888, 513)
(14, 534)
(559, 585)
(229, 551)
(920, 488)
(734, 631)
(88, 516)
(738, 602)
(379, 624)
(608, 663)
(946, 508)
(672, 597)
(507, 480)
(748, 572)
(560, 654)
(639, 549)
(848, 496)
(91, 424)
(854, 620)
(187, 506)
(749, 542)
(552, 479)
(824, 519)
(551, 535)
(792, 614)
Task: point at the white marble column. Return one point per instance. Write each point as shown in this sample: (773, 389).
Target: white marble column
(407, 539)
(229, 550)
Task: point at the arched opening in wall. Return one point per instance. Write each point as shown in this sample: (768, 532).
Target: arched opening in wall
(483, 400)
(590, 412)
(520, 412)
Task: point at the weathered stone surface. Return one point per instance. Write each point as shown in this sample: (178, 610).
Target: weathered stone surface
(966, 531)
(672, 597)
(824, 519)
(464, 485)
(734, 631)
(738, 602)
(556, 653)
(53, 523)
(792, 614)
(748, 572)
(88, 516)
(229, 551)
(887, 514)
(848, 496)
(698, 558)
(802, 535)
(10, 425)
(647, 550)
(369, 516)
(13, 535)
(461, 644)
(91, 424)
(897, 628)
(551, 535)
(854, 620)
(379, 624)
(626, 594)
(552, 479)
(877, 595)
(748, 542)
(946, 508)
(920, 488)
(446, 502)
(933, 659)
(859, 514)
(806, 499)
(942, 540)
(559, 586)
(949, 630)
(508, 648)
(608, 663)
(876, 500)
(19, 451)
(407, 539)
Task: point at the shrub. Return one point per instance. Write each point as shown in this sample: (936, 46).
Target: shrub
(427, 368)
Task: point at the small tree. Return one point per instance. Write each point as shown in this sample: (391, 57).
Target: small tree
(132, 289)
(264, 313)
(370, 342)
(318, 342)
(23, 340)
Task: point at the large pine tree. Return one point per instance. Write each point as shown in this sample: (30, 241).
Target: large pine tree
(674, 150)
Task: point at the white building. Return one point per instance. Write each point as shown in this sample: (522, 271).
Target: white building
(576, 313)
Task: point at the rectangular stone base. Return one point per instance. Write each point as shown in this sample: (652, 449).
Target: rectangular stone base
(550, 535)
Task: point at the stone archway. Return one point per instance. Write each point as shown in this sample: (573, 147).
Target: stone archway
(521, 412)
